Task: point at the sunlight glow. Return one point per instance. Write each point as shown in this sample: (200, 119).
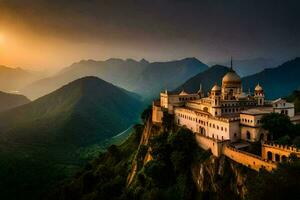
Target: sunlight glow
(2, 38)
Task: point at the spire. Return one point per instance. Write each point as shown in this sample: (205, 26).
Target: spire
(200, 92)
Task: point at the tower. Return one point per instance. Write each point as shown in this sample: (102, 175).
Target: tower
(215, 96)
(259, 95)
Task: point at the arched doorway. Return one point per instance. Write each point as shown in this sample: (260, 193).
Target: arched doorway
(248, 135)
(269, 155)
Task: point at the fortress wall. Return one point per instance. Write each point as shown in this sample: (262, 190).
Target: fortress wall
(214, 145)
(279, 150)
(247, 159)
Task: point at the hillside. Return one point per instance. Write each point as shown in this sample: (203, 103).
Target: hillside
(277, 82)
(207, 78)
(45, 137)
(141, 77)
(12, 79)
(8, 101)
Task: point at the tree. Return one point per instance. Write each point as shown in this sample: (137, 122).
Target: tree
(167, 121)
(146, 114)
(277, 124)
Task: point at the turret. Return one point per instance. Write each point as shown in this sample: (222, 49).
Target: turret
(259, 95)
(200, 92)
(215, 95)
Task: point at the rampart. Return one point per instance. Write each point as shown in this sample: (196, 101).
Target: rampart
(215, 145)
(247, 159)
(277, 152)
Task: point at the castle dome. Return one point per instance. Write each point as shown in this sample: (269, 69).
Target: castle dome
(231, 77)
(215, 88)
(258, 88)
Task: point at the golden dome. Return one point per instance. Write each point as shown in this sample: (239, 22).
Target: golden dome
(231, 77)
(215, 88)
(258, 88)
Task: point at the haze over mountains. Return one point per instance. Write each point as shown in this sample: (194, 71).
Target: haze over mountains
(43, 137)
(12, 79)
(142, 77)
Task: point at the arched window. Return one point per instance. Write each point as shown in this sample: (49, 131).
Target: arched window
(269, 155)
(277, 157)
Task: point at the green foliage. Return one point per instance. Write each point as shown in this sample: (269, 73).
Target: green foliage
(104, 177)
(146, 114)
(283, 183)
(167, 121)
(295, 98)
(168, 175)
(59, 129)
(277, 124)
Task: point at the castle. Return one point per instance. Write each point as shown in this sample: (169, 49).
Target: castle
(227, 120)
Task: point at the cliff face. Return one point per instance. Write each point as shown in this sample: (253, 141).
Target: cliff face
(221, 177)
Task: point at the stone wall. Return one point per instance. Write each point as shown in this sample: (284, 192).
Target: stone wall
(249, 160)
(216, 146)
(278, 153)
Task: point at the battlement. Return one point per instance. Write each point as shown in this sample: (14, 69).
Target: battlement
(288, 148)
(249, 160)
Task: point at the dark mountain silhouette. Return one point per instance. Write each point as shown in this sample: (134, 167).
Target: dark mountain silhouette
(44, 138)
(250, 66)
(141, 77)
(207, 79)
(8, 101)
(168, 75)
(277, 82)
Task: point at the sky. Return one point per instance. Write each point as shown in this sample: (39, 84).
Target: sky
(51, 34)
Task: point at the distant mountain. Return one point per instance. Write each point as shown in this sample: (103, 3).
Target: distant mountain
(141, 77)
(277, 82)
(12, 79)
(40, 142)
(251, 66)
(8, 101)
(168, 75)
(207, 79)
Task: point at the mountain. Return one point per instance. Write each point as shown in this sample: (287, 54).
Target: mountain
(141, 77)
(167, 75)
(8, 101)
(276, 82)
(12, 79)
(251, 66)
(45, 138)
(207, 79)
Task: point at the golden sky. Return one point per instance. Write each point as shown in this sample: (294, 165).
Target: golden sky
(44, 34)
